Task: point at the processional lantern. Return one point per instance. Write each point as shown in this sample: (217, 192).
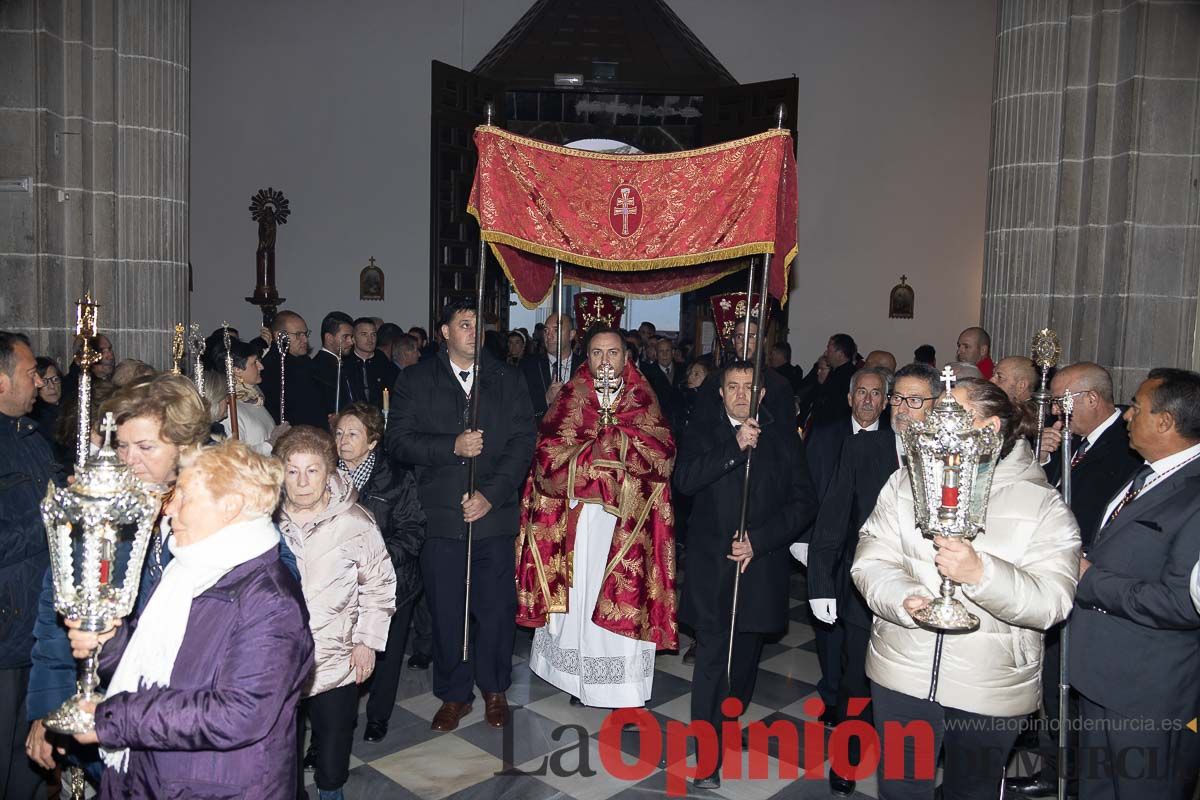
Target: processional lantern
(98, 529)
(950, 467)
(269, 208)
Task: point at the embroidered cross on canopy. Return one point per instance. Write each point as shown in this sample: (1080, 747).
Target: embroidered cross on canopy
(639, 225)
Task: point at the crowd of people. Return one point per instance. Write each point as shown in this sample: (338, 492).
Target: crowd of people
(586, 481)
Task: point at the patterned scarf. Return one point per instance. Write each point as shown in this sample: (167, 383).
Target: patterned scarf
(359, 476)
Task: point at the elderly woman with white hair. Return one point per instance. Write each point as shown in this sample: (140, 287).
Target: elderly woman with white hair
(207, 678)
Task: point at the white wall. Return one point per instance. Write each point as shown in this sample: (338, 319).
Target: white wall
(329, 102)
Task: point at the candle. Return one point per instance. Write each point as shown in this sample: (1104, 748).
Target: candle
(386, 400)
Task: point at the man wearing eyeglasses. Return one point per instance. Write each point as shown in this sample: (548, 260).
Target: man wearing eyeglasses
(302, 398)
(1102, 463)
(867, 461)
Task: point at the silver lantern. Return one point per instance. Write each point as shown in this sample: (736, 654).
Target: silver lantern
(107, 509)
(950, 464)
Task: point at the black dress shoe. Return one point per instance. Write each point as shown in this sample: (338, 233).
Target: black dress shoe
(419, 661)
(828, 717)
(575, 701)
(711, 782)
(310, 757)
(689, 655)
(1033, 786)
(841, 787)
(375, 731)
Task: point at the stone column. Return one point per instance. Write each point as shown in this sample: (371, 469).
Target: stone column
(94, 110)
(1093, 211)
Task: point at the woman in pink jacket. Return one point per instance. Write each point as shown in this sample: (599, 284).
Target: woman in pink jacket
(349, 587)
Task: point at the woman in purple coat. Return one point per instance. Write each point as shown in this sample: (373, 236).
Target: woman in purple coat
(202, 703)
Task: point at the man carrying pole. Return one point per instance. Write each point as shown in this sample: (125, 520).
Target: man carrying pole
(434, 428)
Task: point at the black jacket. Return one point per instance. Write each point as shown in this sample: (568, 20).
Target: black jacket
(1135, 635)
(866, 462)
(302, 396)
(1104, 468)
(824, 448)
(429, 409)
(536, 369)
(829, 398)
(325, 375)
(391, 496)
(710, 467)
(364, 381)
(670, 398)
(26, 469)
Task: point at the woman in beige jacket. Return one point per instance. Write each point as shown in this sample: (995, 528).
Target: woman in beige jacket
(349, 588)
(1018, 577)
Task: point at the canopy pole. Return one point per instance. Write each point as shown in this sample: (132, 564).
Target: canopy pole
(755, 384)
(473, 412)
(1067, 404)
(558, 307)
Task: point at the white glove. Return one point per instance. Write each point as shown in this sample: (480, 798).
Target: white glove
(799, 551)
(824, 609)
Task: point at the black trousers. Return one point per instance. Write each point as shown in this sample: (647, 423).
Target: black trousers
(386, 679)
(331, 716)
(829, 654)
(1120, 761)
(422, 628)
(709, 681)
(976, 748)
(854, 684)
(20, 779)
(493, 615)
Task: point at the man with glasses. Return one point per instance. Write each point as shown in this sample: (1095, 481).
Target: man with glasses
(1102, 463)
(301, 394)
(866, 463)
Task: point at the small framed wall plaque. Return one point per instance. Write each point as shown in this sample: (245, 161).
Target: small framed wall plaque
(370, 282)
(900, 304)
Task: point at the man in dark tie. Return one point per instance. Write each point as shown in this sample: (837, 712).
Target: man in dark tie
(827, 406)
(367, 370)
(866, 463)
(1135, 634)
(545, 373)
(1101, 463)
(662, 375)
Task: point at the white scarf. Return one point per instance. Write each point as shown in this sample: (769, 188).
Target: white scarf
(149, 658)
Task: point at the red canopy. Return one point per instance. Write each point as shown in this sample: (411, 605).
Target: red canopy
(641, 225)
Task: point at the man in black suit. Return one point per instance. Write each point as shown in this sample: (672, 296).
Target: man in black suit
(663, 375)
(1101, 463)
(710, 467)
(780, 360)
(865, 399)
(545, 373)
(337, 339)
(866, 463)
(827, 405)
(428, 429)
(1135, 634)
(302, 396)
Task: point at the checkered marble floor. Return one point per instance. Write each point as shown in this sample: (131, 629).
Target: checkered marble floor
(416, 762)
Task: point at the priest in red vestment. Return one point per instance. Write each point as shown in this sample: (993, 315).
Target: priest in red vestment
(596, 550)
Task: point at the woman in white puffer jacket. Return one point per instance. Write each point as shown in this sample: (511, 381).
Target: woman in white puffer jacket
(1018, 577)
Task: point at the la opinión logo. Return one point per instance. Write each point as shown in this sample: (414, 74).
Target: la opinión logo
(654, 742)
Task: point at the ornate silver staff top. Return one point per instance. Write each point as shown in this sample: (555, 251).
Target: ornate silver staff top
(196, 344)
(282, 343)
(1045, 352)
(950, 468)
(87, 316)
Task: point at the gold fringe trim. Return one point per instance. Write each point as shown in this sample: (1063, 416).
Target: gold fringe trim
(538, 144)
